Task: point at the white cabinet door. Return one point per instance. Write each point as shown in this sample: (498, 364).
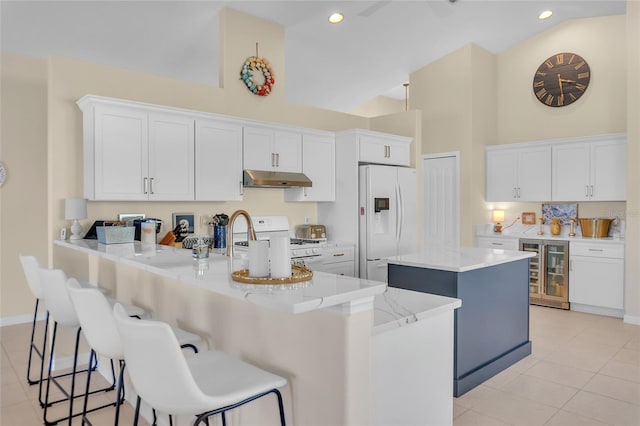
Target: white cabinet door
(258, 148)
(120, 162)
(501, 171)
(597, 281)
(272, 150)
(288, 151)
(570, 172)
(378, 148)
(534, 174)
(218, 169)
(171, 157)
(608, 171)
(318, 164)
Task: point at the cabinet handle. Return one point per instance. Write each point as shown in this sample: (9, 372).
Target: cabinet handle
(241, 188)
(591, 187)
(497, 244)
(514, 193)
(338, 254)
(518, 192)
(593, 249)
(146, 186)
(586, 190)
(277, 159)
(151, 185)
(388, 151)
(304, 192)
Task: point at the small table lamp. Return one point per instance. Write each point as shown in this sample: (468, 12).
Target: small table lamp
(74, 209)
(498, 216)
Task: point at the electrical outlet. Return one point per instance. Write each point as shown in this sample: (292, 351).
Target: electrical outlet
(306, 220)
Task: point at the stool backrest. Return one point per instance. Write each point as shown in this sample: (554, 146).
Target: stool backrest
(31, 267)
(157, 367)
(96, 319)
(56, 296)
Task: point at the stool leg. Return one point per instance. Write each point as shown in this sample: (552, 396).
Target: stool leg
(137, 413)
(86, 393)
(119, 393)
(53, 346)
(281, 407)
(44, 345)
(33, 347)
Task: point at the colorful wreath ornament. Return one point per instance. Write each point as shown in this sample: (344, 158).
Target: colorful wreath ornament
(254, 63)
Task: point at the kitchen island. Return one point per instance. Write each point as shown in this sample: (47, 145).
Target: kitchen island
(317, 334)
(492, 326)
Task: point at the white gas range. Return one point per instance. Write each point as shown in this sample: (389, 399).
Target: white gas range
(305, 252)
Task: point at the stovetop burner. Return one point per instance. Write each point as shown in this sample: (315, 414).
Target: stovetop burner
(293, 242)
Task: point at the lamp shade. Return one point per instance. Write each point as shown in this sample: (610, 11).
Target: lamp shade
(498, 216)
(75, 208)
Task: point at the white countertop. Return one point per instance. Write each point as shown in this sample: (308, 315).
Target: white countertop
(459, 260)
(343, 294)
(530, 232)
(397, 307)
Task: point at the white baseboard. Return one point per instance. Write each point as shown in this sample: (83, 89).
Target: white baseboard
(598, 310)
(20, 319)
(629, 319)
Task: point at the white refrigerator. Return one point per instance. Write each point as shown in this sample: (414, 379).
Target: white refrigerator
(388, 217)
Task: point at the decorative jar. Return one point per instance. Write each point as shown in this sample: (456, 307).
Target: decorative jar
(555, 226)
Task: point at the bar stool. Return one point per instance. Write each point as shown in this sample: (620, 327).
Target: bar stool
(201, 385)
(95, 315)
(31, 268)
(56, 297)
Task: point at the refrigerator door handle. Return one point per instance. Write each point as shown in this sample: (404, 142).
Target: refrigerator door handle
(400, 213)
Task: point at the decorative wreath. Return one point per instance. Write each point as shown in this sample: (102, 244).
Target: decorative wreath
(254, 63)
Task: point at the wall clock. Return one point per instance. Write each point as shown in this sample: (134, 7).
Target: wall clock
(561, 79)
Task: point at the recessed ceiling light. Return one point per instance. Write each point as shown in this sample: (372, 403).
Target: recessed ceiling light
(336, 18)
(546, 14)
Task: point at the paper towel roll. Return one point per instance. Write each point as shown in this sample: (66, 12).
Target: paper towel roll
(280, 255)
(258, 258)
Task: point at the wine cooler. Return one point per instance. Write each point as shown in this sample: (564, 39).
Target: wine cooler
(548, 272)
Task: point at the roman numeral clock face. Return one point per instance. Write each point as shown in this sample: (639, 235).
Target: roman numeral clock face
(561, 80)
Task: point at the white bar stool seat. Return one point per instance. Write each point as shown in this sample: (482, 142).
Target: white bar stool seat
(95, 314)
(200, 385)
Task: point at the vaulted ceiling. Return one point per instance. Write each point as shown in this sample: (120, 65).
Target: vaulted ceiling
(371, 53)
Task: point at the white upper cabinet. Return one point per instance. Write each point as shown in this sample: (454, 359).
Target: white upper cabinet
(272, 149)
(218, 171)
(593, 169)
(381, 148)
(518, 174)
(318, 164)
(133, 154)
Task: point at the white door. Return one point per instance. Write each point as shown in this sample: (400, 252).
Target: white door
(441, 200)
(258, 148)
(288, 151)
(377, 270)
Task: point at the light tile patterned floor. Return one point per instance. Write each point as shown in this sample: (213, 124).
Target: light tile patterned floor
(584, 370)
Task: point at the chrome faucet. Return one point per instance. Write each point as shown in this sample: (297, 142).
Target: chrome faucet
(251, 233)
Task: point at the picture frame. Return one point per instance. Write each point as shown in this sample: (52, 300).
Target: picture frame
(189, 217)
(528, 218)
(130, 216)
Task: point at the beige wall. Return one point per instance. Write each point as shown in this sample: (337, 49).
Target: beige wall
(23, 197)
(632, 273)
(380, 105)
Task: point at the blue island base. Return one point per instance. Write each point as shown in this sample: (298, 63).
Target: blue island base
(464, 384)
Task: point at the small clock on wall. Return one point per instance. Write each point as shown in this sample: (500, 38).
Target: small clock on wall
(561, 79)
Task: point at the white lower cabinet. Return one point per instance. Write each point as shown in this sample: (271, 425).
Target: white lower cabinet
(218, 160)
(504, 243)
(596, 278)
(339, 260)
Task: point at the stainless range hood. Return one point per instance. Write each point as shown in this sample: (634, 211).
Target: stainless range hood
(266, 179)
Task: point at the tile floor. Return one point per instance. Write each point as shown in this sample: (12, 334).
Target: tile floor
(584, 370)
